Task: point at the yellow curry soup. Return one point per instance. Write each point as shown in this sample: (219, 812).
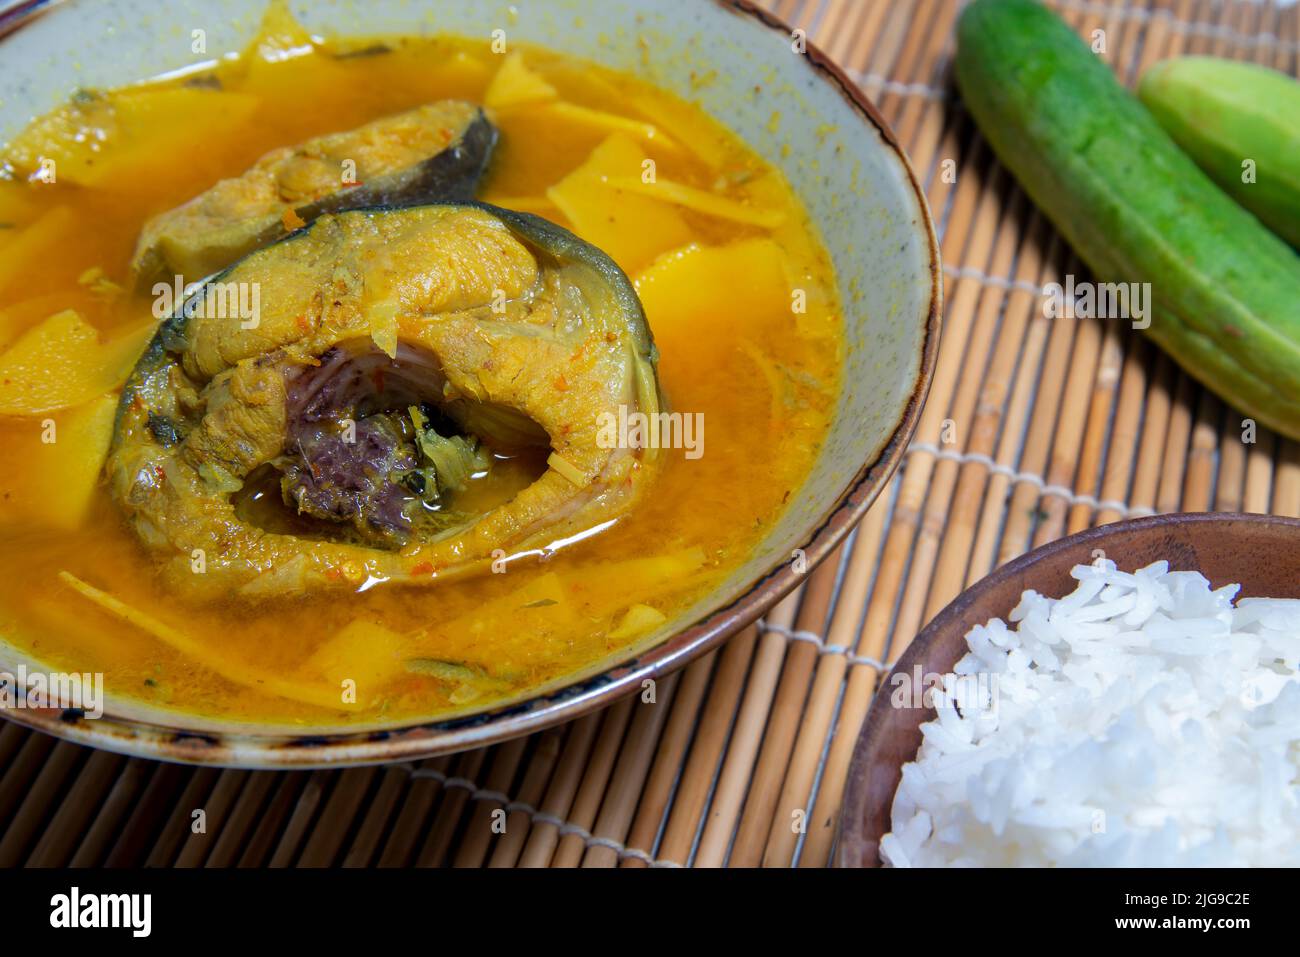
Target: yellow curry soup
(739, 295)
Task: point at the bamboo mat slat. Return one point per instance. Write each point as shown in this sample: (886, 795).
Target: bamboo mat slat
(1033, 430)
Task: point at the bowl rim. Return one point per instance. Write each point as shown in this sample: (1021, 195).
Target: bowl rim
(424, 739)
(850, 831)
(18, 13)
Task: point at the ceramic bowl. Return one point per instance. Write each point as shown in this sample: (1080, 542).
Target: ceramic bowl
(1259, 552)
(837, 152)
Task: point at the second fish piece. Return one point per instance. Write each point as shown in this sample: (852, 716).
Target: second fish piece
(434, 153)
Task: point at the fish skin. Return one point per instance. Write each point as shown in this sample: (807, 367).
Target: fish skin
(571, 343)
(296, 185)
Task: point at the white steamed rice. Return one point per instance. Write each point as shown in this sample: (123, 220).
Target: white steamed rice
(1142, 720)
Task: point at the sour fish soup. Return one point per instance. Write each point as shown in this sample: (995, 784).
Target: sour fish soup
(537, 353)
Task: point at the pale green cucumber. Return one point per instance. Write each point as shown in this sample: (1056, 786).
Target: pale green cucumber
(1135, 207)
(1241, 123)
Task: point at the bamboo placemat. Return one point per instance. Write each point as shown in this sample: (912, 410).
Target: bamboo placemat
(1034, 429)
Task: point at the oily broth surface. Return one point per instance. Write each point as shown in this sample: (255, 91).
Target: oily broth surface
(757, 447)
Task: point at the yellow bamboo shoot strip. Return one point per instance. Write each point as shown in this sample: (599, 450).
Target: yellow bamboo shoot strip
(637, 620)
(57, 488)
(477, 834)
(699, 200)
(62, 363)
(668, 119)
(134, 132)
(35, 245)
(634, 230)
(601, 122)
(516, 85)
(637, 752)
(247, 676)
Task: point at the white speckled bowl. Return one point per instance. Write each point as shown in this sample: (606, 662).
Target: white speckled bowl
(854, 180)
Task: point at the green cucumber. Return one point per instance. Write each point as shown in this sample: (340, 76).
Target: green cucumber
(1225, 290)
(1241, 123)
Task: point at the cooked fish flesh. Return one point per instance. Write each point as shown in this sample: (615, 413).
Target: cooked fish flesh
(436, 152)
(393, 349)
